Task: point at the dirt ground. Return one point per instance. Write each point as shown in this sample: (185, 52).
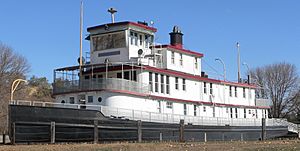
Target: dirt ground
(287, 145)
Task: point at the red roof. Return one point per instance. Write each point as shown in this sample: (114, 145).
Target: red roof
(186, 51)
(123, 23)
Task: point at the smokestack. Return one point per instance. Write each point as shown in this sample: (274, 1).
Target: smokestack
(176, 37)
(112, 12)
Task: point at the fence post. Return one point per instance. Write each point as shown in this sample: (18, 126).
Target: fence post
(181, 131)
(96, 134)
(263, 129)
(139, 130)
(13, 139)
(52, 132)
(205, 138)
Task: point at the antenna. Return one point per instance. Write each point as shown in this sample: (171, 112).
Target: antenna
(80, 43)
(112, 11)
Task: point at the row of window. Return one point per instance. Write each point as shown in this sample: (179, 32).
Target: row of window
(164, 85)
(169, 105)
(181, 59)
(140, 39)
(230, 90)
(90, 99)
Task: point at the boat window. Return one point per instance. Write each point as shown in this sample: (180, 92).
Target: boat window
(156, 82)
(86, 77)
(126, 75)
(90, 99)
(236, 113)
(235, 91)
(131, 38)
(231, 114)
(176, 83)
(135, 39)
(204, 88)
(150, 81)
(184, 109)
(245, 112)
(204, 108)
(99, 99)
(181, 60)
(141, 40)
(195, 110)
(183, 85)
(173, 57)
(119, 75)
(214, 111)
(211, 88)
(230, 90)
(72, 100)
(244, 92)
(63, 101)
(109, 41)
(162, 84)
(168, 85)
(133, 76)
(169, 105)
(196, 62)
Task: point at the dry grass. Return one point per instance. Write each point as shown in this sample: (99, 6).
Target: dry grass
(172, 146)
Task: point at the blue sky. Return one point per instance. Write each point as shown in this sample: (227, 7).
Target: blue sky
(47, 32)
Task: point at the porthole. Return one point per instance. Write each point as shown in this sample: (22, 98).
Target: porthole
(63, 101)
(99, 99)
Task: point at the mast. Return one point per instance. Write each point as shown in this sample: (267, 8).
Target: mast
(238, 61)
(80, 43)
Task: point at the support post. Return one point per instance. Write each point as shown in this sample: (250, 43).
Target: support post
(3, 139)
(298, 130)
(13, 139)
(139, 130)
(181, 131)
(160, 136)
(205, 138)
(223, 136)
(263, 129)
(96, 134)
(52, 132)
(242, 136)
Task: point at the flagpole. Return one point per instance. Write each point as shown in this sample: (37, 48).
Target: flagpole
(80, 43)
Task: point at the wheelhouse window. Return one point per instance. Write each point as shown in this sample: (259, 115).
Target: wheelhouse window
(162, 84)
(156, 82)
(131, 38)
(169, 105)
(167, 84)
(204, 88)
(176, 83)
(110, 41)
(150, 81)
(173, 57)
(235, 91)
(183, 85)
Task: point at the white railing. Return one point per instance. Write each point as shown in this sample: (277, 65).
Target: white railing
(163, 117)
(98, 84)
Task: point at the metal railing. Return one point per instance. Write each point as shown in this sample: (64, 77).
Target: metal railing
(164, 117)
(262, 102)
(98, 84)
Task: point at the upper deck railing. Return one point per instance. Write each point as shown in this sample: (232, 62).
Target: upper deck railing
(99, 84)
(262, 102)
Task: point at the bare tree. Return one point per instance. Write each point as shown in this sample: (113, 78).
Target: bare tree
(12, 66)
(280, 83)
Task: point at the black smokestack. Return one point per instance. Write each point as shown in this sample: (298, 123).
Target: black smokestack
(176, 37)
